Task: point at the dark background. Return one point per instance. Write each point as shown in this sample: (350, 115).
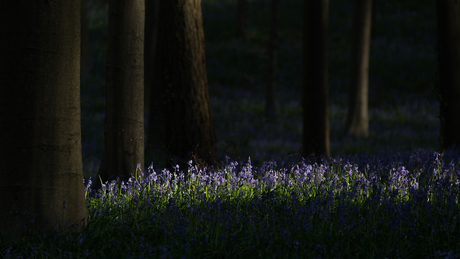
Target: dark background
(402, 78)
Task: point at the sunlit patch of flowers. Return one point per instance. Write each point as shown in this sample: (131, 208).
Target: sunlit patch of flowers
(396, 205)
(387, 205)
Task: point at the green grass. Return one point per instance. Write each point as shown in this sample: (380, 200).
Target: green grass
(371, 207)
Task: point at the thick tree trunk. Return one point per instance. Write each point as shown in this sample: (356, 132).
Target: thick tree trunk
(190, 132)
(315, 139)
(40, 134)
(124, 118)
(358, 118)
(270, 106)
(448, 24)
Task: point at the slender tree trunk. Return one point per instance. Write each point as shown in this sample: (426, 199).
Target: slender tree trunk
(358, 118)
(124, 118)
(190, 132)
(315, 139)
(40, 133)
(241, 18)
(150, 46)
(270, 106)
(155, 145)
(154, 89)
(448, 24)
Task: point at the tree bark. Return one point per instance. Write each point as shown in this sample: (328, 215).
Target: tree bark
(40, 133)
(358, 118)
(448, 24)
(154, 90)
(150, 48)
(315, 138)
(124, 118)
(190, 132)
(270, 106)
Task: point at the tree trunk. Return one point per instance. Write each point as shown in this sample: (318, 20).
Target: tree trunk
(270, 106)
(154, 147)
(124, 118)
(241, 17)
(150, 47)
(315, 139)
(448, 24)
(40, 133)
(190, 132)
(358, 118)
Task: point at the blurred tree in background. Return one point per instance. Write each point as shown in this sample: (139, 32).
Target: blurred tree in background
(448, 24)
(358, 118)
(270, 106)
(315, 137)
